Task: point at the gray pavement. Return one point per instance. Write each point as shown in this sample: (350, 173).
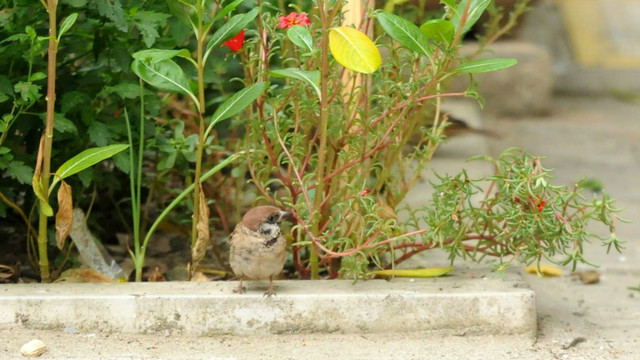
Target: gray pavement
(597, 137)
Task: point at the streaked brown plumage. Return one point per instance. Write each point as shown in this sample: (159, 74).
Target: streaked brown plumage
(258, 248)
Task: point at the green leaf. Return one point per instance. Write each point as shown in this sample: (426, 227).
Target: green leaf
(31, 32)
(37, 76)
(310, 77)
(75, 3)
(4, 122)
(84, 160)
(99, 133)
(67, 23)
(167, 161)
(476, 9)
(121, 161)
(19, 171)
(29, 92)
(165, 75)
(148, 22)
(404, 32)
(227, 9)
(15, 38)
(486, 65)
(63, 124)
(449, 3)
(438, 30)
(125, 90)
(5, 85)
(73, 101)
(236, 103)
(354, 50)
(301, 37)
(230, 29)
(158, 55)
(39, 192)
(112, 9)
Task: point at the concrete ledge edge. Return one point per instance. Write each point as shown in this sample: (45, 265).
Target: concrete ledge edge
(449, 305)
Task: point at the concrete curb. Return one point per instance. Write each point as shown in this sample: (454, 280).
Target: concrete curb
(458, 304)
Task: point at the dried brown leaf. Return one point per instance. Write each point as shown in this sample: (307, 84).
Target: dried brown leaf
(6, 272)
(64, 216)
(39, 159)
(83, 276)
(202, 227)
(157, 275)
(200, 277)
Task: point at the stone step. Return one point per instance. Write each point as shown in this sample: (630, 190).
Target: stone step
(465, 303)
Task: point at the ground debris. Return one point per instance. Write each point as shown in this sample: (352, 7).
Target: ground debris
(573, 343)
(588, 276)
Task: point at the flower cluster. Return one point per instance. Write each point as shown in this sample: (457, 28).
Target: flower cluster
(294, 19)
(285, 22)
(538, 203)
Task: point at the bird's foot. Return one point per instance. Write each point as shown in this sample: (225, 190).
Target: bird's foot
(240, 289)
(271, 291)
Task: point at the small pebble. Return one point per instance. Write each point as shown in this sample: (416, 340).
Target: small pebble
(70, 330)
(588, 276)
(33, 348)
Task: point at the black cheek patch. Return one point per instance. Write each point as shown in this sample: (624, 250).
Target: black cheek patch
(270, 242)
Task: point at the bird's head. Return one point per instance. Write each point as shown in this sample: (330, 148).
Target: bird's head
(265, 220)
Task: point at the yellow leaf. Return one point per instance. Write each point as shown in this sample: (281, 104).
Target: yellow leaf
(354, 50)
(543, 270)
(416, 273)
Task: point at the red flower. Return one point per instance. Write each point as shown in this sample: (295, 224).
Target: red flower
(539, 204)
(365, 192)
(236, 42)
(294, 19)
(303, 20)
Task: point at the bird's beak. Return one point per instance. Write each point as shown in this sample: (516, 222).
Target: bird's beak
(285, 215)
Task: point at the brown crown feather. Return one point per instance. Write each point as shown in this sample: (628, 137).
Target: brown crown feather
(258, 215)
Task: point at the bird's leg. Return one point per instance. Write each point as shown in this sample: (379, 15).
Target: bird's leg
(271, 290)
(240, 289)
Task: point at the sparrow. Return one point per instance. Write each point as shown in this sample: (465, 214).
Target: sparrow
(257, 246)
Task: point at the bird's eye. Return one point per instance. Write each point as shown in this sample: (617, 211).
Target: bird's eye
(272, 219)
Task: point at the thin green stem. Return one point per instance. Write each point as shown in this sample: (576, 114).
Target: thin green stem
(138, 197)
(135, 210)
(201, 36)
(322, 129)
(48, 140)
(135, 182)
